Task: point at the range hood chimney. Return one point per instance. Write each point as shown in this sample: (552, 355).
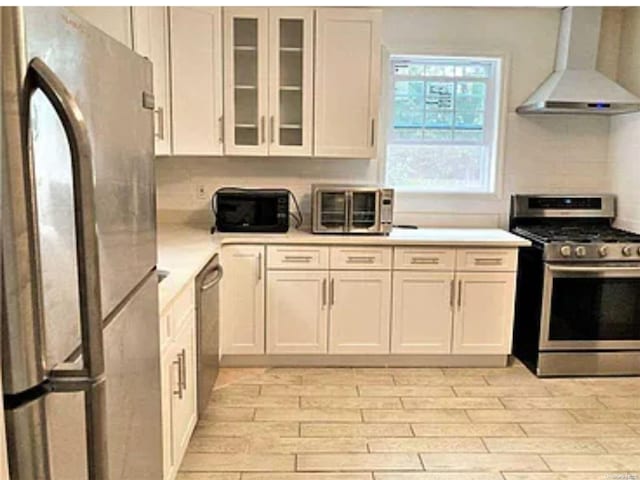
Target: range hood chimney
(575, 86)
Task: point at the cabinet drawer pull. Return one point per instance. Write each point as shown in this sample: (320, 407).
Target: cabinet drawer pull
(324, 292)
(425, 260)
(452, 292)
(183, 357)
(488, 261)
(178, 363)
(360, 259)
(373, 131)
(332, 292)
(272, 129)
(298, 258)
(160, 131)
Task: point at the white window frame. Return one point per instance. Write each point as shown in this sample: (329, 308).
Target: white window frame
(410, 199)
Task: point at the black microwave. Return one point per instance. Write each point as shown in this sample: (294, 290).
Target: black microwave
(251, 210)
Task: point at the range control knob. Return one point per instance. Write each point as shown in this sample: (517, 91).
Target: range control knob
(565, 251)
(581, 251)
(603, 251)
(626, 251)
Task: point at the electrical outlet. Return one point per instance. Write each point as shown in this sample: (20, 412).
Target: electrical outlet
(201, 193)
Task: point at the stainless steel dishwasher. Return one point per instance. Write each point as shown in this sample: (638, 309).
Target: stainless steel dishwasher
(207, 324)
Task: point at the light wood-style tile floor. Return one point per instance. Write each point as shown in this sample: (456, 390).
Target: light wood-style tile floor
(415, 424)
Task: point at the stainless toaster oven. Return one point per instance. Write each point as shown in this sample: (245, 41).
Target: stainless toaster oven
(352, 209)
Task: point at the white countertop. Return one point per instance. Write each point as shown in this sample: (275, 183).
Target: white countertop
(184, 250)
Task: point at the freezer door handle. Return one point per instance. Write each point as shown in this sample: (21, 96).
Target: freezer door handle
(40, 76)
(90, 376)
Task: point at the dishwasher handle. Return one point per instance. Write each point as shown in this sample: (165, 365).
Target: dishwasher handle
(220, 272)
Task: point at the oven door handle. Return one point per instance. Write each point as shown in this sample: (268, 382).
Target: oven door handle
(608, 269)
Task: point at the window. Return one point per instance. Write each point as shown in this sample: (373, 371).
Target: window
(443, 124)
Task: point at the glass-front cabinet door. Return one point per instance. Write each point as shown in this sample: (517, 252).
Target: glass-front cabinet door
(290, 75)
(246, 80)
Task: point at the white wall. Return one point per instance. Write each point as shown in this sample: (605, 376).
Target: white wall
(624, 143)
(544, 154)
(115, 21)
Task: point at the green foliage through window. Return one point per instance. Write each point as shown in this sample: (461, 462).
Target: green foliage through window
(443, 123)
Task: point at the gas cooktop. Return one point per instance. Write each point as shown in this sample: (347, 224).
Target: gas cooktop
(573, 228)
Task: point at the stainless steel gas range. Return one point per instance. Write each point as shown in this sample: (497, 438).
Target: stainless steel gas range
(578, 291)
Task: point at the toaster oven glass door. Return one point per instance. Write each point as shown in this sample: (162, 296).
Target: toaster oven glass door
(364, 210)
(333, 208)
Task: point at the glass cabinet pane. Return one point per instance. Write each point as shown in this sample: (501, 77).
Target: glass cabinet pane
(363, 213)
(333, 208)
(245, 74)
(291, 84)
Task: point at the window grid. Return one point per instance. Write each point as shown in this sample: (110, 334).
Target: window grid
(484, 71)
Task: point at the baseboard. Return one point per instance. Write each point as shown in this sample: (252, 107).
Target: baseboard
(364, 361)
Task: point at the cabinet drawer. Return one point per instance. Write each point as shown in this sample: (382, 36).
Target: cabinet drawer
(297, 257)
(182, 306)
(360, 258)
(442, 259)
(487, 260)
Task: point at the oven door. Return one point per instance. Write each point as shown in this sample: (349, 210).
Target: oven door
(330, 211)
(364, 210)
(590, 307)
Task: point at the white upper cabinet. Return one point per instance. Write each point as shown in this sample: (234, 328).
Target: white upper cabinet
(114, 21)
(290, 81)
(268, 58)
(151, 39)
(246, 77)
(196, 80)
(347, 83)
(483, 322)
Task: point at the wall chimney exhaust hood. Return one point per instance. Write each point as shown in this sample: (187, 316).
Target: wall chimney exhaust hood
(575, 86)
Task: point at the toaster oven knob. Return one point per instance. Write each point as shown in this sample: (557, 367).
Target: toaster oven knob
(565, 251)
(603, 251)
(581, 251)
(626, 251)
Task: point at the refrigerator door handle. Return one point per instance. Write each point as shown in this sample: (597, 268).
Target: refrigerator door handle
(90, 377)
(40, 76)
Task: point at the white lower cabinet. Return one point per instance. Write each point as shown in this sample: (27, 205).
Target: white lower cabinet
(178, 366)
(184, 401)
(483, 321)
(243, 303)
(360, 311)
(297, 311)
(319, 300)
(422, 312)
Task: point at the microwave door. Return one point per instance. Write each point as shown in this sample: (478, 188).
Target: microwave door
(364, 211)
(332, 208)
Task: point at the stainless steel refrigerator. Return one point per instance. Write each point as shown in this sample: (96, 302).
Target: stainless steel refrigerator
(80, 331)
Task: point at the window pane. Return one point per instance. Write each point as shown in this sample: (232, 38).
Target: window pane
(408, 111)
(438, 70)
(439, 96)
(409, 88)
(469, 120)
(440, 139)
(407, 133)
(449, 167)
(481, 71)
